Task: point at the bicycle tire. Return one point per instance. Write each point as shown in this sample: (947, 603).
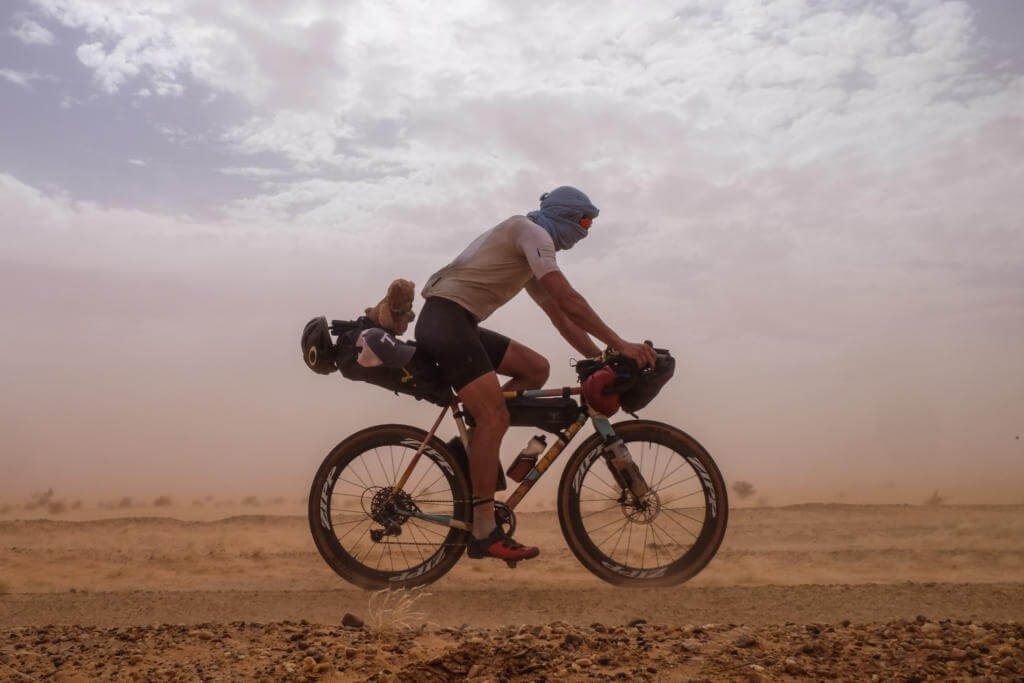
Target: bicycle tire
(334, 525)
(574, 509)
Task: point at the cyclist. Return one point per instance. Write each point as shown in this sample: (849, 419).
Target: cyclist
(517, 253)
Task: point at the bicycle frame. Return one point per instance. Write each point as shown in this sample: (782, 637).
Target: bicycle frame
(562, 440)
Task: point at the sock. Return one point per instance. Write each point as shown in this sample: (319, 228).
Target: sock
(483, 520)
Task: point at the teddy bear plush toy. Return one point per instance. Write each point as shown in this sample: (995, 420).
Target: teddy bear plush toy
(394, 312)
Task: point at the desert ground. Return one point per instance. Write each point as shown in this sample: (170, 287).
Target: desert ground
(215, 592)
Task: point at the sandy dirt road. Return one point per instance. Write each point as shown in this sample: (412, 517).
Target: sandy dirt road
(821, 590)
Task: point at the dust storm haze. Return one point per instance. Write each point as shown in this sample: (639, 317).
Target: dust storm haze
(816, 208)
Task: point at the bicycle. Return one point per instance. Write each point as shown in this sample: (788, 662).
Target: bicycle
(390, 507)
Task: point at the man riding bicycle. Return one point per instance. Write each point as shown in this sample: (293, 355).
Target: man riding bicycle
(517, 253)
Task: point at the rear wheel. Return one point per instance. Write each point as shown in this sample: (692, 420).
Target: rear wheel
(662, 540)
(355, 520)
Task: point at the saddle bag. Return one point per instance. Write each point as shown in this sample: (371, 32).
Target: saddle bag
(420, 377)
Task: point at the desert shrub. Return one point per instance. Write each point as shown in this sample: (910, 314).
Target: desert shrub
(163, 502)
(743, 489)
(393, 610)
(77, 505)
(39, 500)
(125, 502)
(251, 501)
(5, 509)
(935, 499)
(56, 507)
(279, 500)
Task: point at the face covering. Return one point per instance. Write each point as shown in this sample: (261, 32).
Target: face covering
(560, 213)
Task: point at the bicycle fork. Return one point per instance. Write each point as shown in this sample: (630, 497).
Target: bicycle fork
(620, 462)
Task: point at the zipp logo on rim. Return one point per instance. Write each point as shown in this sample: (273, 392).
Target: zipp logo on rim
(434, 455)
(705, 479)
(420, 570)
(635, 573)
(325, 495)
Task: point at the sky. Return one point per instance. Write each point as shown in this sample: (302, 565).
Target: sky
(815, 205)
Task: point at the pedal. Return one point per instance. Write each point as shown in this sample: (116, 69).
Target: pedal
(511, 563)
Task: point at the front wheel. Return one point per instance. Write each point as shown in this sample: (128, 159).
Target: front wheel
(662, 540)
(364, 532)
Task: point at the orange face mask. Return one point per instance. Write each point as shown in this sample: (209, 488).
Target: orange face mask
(585, 223)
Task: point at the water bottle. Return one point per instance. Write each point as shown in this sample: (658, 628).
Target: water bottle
(624, 470)
(527, 458)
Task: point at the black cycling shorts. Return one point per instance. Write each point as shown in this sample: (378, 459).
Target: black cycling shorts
(463, 350)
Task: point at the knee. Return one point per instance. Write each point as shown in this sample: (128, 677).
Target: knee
(539, 372)
(493, 418)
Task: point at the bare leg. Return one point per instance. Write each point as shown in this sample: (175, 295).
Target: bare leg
(527, 368)
(482, 397)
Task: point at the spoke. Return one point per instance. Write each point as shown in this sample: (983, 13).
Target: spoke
(349, 495)
(629, 543)
(597, 512)
(426, 471)
(351, 521)
(412, 532)
(356, 544)
(696, 507)
(352, 469)
(657, 555)
(692, 519)
(672, 538)
(643, 554)
(598, 477)
(354, 512)
(680, 525)
(391, 457)
(619, 539)
(680, 466)
(368, 522)
(591, 531)
(429, 486)
(367, 469)
(654, 467)
(423, 528)
(680, 482)
(599, 492)
(668, 463)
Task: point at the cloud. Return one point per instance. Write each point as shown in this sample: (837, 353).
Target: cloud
(24, 78)
(31, 33)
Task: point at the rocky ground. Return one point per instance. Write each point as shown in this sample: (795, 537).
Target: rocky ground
(916, 649)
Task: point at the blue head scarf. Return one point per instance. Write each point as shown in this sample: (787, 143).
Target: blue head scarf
(560, 213)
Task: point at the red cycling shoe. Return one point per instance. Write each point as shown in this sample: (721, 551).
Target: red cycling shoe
(500, 546)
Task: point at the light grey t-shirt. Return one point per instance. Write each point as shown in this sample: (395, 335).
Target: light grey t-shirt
(495, 267)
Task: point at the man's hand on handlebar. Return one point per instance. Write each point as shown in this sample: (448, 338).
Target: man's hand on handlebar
(644, 354)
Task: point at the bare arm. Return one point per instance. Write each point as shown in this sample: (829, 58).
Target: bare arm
(570, 331)
(576, 309)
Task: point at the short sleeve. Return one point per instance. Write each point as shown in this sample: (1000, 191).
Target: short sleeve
(539, 250)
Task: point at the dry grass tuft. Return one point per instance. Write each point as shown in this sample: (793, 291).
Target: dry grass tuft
(393, 610)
